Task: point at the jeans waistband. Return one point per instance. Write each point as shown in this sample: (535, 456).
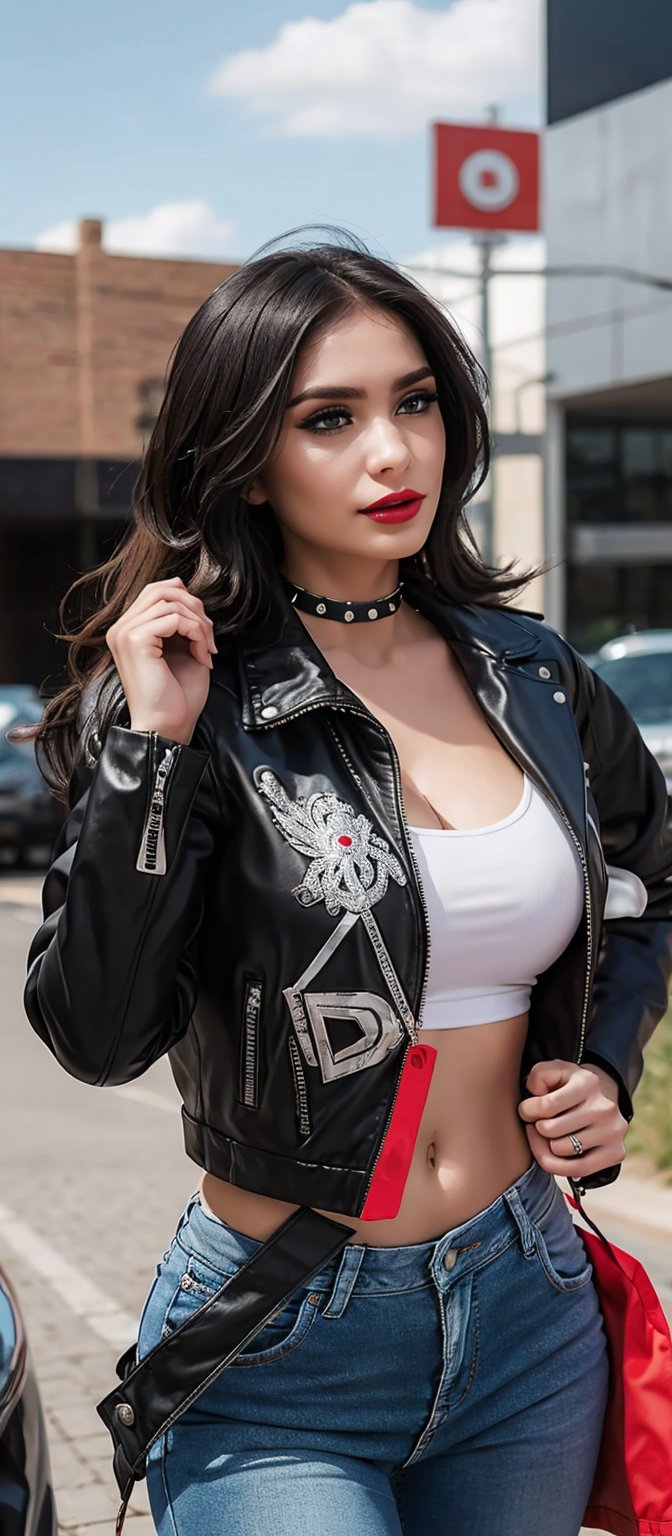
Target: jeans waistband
(376, 1269)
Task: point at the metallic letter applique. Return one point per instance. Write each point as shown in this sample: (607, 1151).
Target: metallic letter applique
(349, 870)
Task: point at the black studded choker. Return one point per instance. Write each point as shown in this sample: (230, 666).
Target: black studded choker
(346, 613)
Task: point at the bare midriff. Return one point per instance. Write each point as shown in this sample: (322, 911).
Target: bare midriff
(471, 1145)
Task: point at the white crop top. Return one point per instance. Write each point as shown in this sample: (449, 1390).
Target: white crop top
(503, 903)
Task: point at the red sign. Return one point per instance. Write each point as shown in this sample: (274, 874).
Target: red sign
(485, 178)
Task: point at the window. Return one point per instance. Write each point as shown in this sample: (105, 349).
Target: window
(618, 471)
(604, 600)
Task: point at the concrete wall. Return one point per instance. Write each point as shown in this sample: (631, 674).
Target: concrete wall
(608, 202)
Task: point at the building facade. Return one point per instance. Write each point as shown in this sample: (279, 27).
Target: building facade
(85, 340)
(608, 223)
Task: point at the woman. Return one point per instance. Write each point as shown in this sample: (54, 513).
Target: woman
(339, 822)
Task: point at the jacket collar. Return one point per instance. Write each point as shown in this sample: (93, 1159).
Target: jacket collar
(282, 670)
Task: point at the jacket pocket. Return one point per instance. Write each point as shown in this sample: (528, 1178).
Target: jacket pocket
(249, 1041)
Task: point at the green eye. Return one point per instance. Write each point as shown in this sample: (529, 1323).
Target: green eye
(425, 396)
(330, 419)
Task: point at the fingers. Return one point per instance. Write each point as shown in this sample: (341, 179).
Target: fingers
(558, 1101)
(561, 1146)
(167, 605)
(595, 1111)
(157, 600)
(601, 1154)
(170, 591)
(162, 625)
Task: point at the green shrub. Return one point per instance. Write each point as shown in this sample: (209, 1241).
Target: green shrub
(650, 1132)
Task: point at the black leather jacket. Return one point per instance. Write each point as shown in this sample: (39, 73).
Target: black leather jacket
(251, 903)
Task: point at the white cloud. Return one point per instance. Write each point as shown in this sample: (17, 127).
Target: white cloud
(190, 228)
(387, 67)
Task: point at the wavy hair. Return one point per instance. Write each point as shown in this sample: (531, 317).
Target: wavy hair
(220, 420)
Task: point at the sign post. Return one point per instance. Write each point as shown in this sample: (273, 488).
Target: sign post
(486, 179)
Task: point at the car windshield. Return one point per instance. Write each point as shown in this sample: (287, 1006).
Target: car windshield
(643, 682)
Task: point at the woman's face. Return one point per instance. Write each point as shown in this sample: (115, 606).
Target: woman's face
(366, 431)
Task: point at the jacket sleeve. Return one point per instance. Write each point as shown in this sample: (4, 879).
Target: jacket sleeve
(634, 964)
(112, 972)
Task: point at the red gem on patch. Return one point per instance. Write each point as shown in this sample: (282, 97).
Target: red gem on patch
(345, 841)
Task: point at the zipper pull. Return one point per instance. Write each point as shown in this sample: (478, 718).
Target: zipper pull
(151, 858)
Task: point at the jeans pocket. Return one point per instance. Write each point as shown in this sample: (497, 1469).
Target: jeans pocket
(559, 1247)
(283, 1332)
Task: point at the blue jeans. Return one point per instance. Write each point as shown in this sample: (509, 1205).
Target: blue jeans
(450, 1388)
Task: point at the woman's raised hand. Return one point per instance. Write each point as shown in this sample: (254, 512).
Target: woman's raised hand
(162, 648)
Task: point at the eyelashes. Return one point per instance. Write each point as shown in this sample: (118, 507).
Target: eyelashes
(323, 421)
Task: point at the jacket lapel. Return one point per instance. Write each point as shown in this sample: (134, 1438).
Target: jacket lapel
(282, 670)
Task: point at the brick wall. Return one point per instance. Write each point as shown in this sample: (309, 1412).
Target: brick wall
(84, 344)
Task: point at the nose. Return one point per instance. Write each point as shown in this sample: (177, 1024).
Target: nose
(387, 447)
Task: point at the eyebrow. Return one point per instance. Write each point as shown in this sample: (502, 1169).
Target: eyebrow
(345, 392)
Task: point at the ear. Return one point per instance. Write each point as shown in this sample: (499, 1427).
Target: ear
(255, 493)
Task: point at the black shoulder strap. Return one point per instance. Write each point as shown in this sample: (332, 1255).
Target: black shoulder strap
(157, 1389)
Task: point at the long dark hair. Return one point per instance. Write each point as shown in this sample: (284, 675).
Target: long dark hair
(220, 419)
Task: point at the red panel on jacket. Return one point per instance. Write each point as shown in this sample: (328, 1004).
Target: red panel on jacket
(394, 1161)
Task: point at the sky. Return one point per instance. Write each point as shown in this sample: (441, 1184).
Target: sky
(207, 129)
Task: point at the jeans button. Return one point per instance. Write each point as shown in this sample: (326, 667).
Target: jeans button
(450, 1258)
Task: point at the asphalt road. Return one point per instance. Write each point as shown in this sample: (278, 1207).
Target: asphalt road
(91, 1186)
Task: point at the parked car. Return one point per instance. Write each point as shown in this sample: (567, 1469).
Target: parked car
(30, 816)
(638, 667)
(27, 1505)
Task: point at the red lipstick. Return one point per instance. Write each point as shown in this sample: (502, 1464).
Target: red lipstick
(396, 507)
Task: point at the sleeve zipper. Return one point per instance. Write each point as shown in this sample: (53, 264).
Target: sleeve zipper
(151, 858)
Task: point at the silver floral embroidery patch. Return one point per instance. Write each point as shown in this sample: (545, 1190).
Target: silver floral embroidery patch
(350, 865)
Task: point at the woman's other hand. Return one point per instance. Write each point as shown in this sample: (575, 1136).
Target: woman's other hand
(583, 1100)
(162, 648)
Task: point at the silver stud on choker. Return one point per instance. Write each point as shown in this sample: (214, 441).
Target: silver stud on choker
(345, 612)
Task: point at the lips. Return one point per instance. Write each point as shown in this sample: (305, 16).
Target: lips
(394, 499)
(399, 508)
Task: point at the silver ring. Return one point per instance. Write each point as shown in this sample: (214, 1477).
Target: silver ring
(577, 1145)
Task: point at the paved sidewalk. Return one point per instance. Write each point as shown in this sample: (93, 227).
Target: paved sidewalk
(85, 1156)
(639, 1196)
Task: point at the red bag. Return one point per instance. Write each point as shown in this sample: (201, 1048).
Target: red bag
(632, 1488)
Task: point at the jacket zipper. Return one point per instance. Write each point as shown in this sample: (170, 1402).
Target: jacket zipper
(151, 858)
(300, 1088)
(541, 784)
(351, 709)
(250, 1042)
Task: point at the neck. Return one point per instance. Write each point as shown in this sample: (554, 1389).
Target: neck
(375, 646)
(345, 578)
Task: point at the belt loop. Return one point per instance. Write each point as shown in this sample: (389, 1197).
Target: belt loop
(522, 1221)
(184, 1218)
(344, 1284)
